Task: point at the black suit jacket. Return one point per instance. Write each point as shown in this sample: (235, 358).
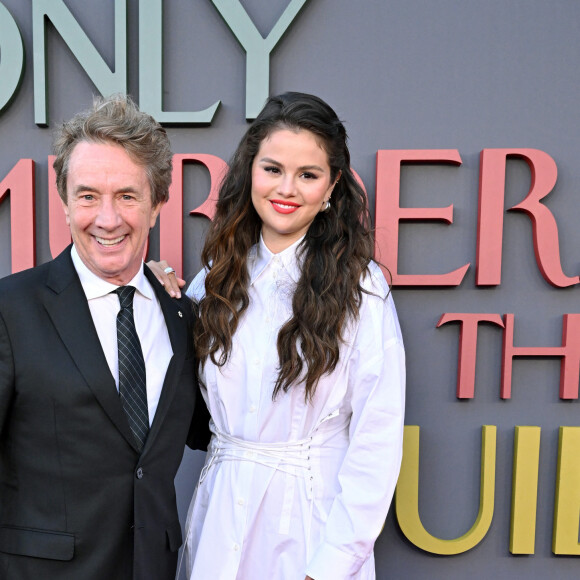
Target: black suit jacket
(77, 500)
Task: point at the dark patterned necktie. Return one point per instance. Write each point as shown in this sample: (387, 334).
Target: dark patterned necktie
(132, 385)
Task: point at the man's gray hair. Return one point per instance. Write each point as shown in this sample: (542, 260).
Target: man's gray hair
(117, 120)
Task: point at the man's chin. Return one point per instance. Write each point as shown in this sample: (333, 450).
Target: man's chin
(118, 273)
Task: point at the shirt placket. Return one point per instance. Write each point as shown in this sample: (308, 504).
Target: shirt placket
(254, 387)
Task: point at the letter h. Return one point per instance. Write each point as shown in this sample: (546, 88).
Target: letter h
(569, 351)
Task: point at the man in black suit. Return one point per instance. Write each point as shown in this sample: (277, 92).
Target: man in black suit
(93, 421)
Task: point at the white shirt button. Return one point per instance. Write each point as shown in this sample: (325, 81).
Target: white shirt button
(252, 408)
(236, 547)
(241, 501)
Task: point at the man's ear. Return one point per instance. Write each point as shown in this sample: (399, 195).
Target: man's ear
(155, 212)
(66, 211)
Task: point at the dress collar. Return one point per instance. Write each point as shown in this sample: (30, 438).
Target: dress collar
(261, 257)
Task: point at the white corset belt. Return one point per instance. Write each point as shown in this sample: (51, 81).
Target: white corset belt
(292, 458)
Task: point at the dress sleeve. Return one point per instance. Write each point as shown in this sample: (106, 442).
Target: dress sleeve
(196, 290)
(369, 472)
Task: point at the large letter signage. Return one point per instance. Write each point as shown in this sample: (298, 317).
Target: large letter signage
(106, 81)
(151, 70)
(11, 57)
(490, 223)
(257, 49)
(407, 497)
(389, 213)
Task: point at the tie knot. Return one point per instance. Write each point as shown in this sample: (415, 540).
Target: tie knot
(125, 296)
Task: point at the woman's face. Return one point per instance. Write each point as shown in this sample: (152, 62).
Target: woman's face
(290, 185)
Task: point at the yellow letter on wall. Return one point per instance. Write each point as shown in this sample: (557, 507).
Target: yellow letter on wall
(567, 504)
(525, 490)
(407, 497)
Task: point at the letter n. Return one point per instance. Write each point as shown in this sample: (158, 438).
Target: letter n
(106, 81)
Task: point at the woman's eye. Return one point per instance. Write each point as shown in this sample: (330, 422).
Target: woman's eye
(272, 169)
(309, 175)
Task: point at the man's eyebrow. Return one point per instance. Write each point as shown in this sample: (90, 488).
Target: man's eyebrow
(127, 189)
(81, 188)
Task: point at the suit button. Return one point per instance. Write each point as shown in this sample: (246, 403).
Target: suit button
(140, 473)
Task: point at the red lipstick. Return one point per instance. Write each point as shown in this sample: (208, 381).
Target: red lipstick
(284, 206)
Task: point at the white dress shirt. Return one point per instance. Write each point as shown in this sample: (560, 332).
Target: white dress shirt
(149, 322)
(292, 488)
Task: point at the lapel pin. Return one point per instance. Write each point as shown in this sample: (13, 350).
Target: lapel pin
(180, 313)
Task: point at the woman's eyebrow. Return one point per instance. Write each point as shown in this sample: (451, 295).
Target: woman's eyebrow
(278, 164)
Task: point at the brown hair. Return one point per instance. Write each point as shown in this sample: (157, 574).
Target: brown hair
(335, 252)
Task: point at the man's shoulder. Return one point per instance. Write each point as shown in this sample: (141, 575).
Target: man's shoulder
(29, 282)
(21, 293)
(183, 304)
(25, 279)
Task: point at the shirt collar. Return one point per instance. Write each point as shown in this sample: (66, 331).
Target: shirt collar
(96, 287)
(260, 257)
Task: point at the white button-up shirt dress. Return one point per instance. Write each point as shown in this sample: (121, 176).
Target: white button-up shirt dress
(291, 487)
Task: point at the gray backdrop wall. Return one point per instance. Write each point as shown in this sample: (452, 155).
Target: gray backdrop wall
(402, 74)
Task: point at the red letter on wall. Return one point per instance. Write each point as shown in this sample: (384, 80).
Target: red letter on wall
(491, 208)
(468, 348)
(58, 232)
(20, 183)
(569, 351)
(389, 213)
(171, 218)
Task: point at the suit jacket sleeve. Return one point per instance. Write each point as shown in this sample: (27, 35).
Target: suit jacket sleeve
(6, 374)
(199, 434)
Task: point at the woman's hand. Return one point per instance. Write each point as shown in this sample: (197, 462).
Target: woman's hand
(166, 275)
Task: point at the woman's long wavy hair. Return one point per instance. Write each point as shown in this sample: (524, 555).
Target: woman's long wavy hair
(336, 252)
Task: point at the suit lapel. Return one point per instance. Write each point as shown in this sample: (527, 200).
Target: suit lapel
(177, 327)
(68, 308)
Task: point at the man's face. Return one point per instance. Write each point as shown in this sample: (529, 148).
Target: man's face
(109, 210)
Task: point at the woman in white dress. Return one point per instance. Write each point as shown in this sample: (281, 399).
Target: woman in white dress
(301, 362)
